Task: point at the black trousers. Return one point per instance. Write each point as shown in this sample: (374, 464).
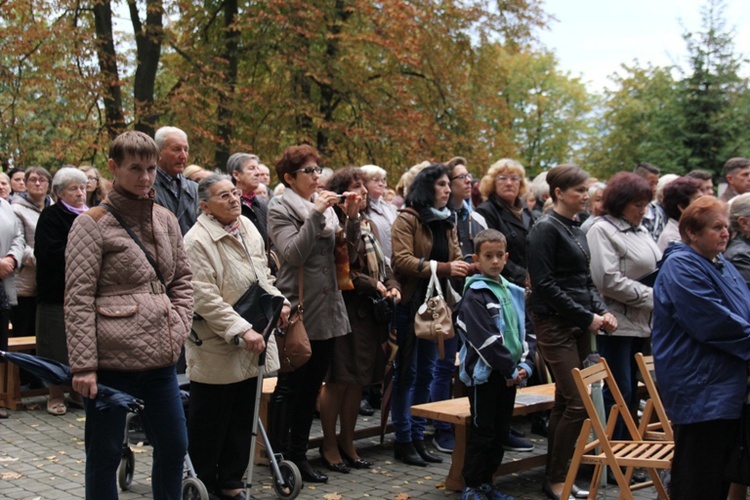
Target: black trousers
(23, 317)
(701, 455)
(491, 412)
(220, 428)
(294, 400)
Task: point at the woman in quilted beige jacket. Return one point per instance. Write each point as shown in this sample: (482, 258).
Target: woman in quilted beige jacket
(228, 255)
(126, 320)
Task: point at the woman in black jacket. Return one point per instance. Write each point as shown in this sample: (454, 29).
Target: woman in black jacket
(565, 306)
(51, 238)
(504, 185)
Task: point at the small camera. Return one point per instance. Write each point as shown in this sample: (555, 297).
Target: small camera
(342, 198)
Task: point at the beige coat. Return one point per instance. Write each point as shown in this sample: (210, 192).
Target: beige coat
(118, 315)
(28, 216)
(619, 256)
(222, 274)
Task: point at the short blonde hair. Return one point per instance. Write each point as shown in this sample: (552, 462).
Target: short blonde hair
(505, 165)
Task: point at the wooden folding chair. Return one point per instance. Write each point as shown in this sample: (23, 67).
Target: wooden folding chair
(661, 430)
(637, 452)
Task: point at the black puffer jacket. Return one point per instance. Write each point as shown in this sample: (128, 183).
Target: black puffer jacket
(561, 283)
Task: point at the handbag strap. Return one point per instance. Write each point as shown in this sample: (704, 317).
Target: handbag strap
(300, 307)
(132, 234)
(434, 284)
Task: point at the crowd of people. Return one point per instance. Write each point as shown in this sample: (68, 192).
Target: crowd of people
(113, 272)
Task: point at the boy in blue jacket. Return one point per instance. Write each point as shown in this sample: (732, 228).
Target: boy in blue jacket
(490, 320)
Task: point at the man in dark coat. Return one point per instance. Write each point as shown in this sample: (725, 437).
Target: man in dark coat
(174, 192)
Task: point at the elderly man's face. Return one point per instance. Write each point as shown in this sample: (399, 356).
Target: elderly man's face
(174, 154)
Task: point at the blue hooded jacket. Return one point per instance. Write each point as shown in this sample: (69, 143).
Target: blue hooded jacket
(480, 323)
(701, 336)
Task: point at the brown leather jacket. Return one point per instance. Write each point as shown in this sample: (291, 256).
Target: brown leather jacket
(412, 244)
(118, 315)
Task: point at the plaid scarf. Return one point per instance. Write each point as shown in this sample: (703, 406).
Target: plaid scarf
(373, 252)
(232, 228)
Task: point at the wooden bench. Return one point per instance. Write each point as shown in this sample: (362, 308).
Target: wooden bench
(457, 412)
(10, 377)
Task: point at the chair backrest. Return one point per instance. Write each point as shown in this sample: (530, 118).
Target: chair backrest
(654, 404)
(600, 372)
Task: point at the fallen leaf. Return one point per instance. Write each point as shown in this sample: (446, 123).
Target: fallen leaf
(8, 459)
(10, 475)
(403, 496)
(441, 485)
(332, 496)
(428, 477)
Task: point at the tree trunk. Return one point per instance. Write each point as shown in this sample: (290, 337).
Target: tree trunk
(225, 111)
(148, 41)
(105, 49)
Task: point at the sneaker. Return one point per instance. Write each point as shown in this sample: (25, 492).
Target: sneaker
(517, 432)
(470, 493)
(365, 409)
(444, 440)
(513, 443)
(492, 493)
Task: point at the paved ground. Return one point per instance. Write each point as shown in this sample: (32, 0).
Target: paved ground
(41, 457)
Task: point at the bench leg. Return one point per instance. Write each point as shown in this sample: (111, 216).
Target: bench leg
(455, 479)
(13, 398)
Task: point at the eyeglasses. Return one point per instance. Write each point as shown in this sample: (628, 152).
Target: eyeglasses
(235, 193)
(462, 177)
(504, 178)
(378, 180)
(40, 180)
(310, 170)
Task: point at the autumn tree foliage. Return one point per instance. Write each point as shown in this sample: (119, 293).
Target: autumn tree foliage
(392, 82)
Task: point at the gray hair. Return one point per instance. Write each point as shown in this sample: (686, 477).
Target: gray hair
(372, 171)
(739, 206)
(539, 185)
(237, 162)
(663, 181)
(597, 186)
(204, 186)
(65, 176)
(160, 137)
(3, 175)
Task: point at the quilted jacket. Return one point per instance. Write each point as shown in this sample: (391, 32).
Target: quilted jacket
(118, 316)
(222, 274)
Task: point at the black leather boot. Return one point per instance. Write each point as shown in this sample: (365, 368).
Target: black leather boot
(278, 421)
(407, 454)
(426, 453)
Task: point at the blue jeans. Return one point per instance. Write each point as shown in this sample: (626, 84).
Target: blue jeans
(442, 378)
(620, 355)
(413, 375)
(163, 420)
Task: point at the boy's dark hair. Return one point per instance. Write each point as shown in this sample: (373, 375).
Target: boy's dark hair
(488, 236)
(132, 143)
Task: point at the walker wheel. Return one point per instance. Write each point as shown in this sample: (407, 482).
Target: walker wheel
(126, 469)
(193, 489)
(290, 482)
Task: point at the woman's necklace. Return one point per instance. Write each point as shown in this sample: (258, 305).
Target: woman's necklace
(573, 237)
